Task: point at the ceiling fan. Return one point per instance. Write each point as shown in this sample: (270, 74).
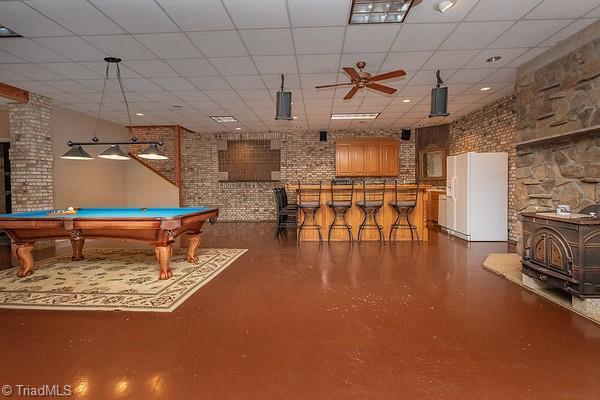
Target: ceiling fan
(360, 79)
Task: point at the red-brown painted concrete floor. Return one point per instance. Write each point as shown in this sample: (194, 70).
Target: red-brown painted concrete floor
(288, 322)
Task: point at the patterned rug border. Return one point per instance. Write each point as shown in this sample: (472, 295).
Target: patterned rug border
(138, 308)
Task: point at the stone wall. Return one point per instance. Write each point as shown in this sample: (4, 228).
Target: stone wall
(492, 128)
(303, 157)
(31, 154)
(558, 108)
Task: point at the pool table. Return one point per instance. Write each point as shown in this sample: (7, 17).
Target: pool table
(157, 226)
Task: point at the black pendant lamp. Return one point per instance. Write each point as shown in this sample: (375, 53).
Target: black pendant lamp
(114, 151)
(439, 98)
(284, 104)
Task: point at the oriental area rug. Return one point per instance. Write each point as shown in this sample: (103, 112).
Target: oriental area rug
(112, 279)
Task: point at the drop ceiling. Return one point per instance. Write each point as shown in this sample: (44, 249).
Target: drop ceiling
(224, 57)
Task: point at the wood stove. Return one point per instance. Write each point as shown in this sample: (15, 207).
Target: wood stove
(563, 251)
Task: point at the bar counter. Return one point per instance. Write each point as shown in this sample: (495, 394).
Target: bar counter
(385, 217)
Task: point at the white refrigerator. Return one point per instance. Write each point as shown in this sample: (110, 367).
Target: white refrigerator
(477, 196)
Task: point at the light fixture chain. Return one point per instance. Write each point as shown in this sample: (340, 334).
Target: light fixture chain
(123, 93)
(101, 101)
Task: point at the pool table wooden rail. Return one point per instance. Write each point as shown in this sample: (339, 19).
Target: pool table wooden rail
(159, 232)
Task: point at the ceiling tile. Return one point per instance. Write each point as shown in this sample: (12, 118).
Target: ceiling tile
(169, 45)
(450, 59)
(162, 97)
(32, 71)
(276, 64)
(507, 56)
(73, 48)
(10, 76)
(70, 70)
(527, 56)
(151, 68)
(246, 82)
(309, 81)
(28, 50)
(503, 75)
(137, 16)
(170, 84)
(319, 12)
(292, 81)
(360, 38)
(594, 14)
(39, 88)
(99, 67)
(487, 10)
(6, 58)
(373, 60)
(475, 35)
(123, 46)
(529, 33)
(218, 44)
(192, 67)
(255, 94)
(414, 37)
(309, 64)
(415, 90)
(193, 15)
(550, 9)
(140, 85)
(268, 41)
(234, 65)
(213, 82)
(406, 60)
(568, 31)
(221, 94)
(69, 86)
(429, 77)
(78, 16)
(425, 12)
(190, 95)
(319, 40)
(470, 75)
(261, 14)
(27, 22)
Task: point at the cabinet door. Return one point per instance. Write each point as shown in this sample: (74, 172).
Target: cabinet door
(357, 159)
(389, 159)
(373, 160)
(342, 160)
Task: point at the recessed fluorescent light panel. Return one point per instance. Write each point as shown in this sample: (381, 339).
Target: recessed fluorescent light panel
(379, 12)
(5, 32)
(223, 118)
(355, 116)
(444, 5)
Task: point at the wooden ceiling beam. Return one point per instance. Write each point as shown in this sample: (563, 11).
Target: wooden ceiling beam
(14, 93)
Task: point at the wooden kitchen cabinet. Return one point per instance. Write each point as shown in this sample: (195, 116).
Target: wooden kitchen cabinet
(366, 157)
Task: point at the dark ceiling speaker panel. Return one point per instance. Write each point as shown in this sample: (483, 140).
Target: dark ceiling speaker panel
(284, 104)
(322, 136)
(439, 99)
(405, 135)
(361, 80)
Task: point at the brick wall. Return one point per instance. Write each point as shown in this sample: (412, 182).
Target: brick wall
(168, 134)
(490, 129)
(303, 157)
(31, 154)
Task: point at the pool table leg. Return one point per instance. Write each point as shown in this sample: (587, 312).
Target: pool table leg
(23, 253)
(77, 245)
(194, 239)
(163, 255)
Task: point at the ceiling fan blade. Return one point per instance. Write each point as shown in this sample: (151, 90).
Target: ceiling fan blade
(337, 84)
(351, 93)
(388, 75)
(382, 88)
(352, 73)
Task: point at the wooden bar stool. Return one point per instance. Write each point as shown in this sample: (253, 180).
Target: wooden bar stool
(405, 202)
(309, 203)
(341, 202)
(371, 204)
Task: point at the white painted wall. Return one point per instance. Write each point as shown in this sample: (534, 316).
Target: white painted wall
(147, 189)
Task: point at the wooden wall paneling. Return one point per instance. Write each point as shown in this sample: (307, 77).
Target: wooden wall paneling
(432, 135)
(14, 93)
